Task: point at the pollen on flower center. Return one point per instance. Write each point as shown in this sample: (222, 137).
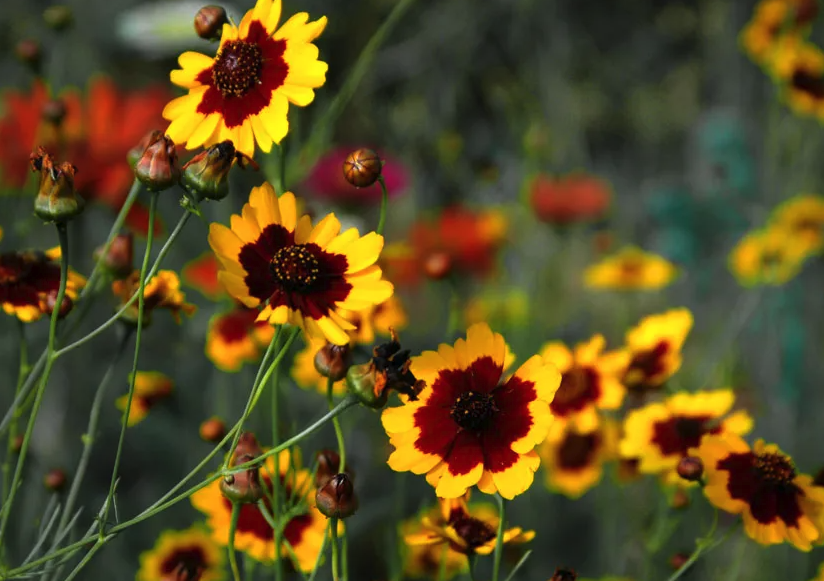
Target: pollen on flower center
(775, 468)
(472, 410)
(237, 68)
(295, 267)
(473, 531)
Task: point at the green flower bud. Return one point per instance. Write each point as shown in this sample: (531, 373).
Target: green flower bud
(56, 199)
(157, 167)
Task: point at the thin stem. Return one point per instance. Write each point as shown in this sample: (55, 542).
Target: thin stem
(518, 566)
(21, 374)
(704, 545)
(88, 557)
(384, 204)
(236, 506)
(471, 566)
(23, 392)
(499, 541)
(334, 532)
(141, 306)
(344, 555)
(276, 480)
(63, 236)
(330, 384)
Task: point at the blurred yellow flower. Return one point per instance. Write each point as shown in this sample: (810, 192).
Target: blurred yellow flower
(499, 308)
(803, 215)
(150, 387)
(161, 292)
(771, 256)
(183, 555)
(798, 67)
(236, 337)
(631, 269)
(425, 561)
(772, 20)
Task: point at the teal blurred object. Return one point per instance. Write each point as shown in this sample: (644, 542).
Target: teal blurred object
(792, 337)
(723, 148)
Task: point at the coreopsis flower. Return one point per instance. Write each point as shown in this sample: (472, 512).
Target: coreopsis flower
(183, 555)
(326, 180)
(98, 128)
(589, 382)
(254, 536)
(425, 561)
(798, 68)
(576, 197)
(631, 269)
(150, 388)
(803, 216)
(161, 292)
(654, 349)
(470, 425)
(236, 337)
(661, 433)
(574, 461)
(763, 485)
(772, 257)
(28, 278)
(772, 19)
(304, 275)
(466, 529)
(243, 93)
(201, 274)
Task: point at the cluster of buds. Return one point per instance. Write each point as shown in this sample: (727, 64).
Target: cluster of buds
(157, 166)
(57, 201)
(206, 174)
(362, 168)
(387, 369)
(243, 487)
(336, 496)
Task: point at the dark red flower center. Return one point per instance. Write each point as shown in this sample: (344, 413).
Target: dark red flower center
(295, 268)
(807, 82)
(578, 451)
(678, 434)
(645, 366)
(579, 387)
(473, 531)
(184, 562)
(27, 277)
(12, 268)
(775, 468)
(234, 327)
(631, 268)
(473, 410)
(237, 68)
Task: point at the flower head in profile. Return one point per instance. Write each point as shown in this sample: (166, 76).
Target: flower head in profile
(772, 257)
(761, 483)
(471, 425)
(466, 529)
(150, 388)
(772, 20)
(576, 197)
(660, 434)
(242, 94)
(631, 269)
(304, 531)
(183, 555)
(424, 561)
(28, 278)
(589, 382)
(803, 217)
(236, 337)
(304, 275)
(161, 292)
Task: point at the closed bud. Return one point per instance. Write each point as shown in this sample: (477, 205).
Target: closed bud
(564, 574)
(65, 307)
(17, 443)
(680, 499)
(337, 498)
(243, 487)
(691, 468)
(56, 200)
(362, 381)
(437, 265)
(54, 111)
(328, 466)
(678, 560)
(29, 53)
(206, 175)
(209, 22)
(135, 153)
(213, 430)
(247, 445)
(58, 17)
(119, 260)
(333, 361)
(157, 168)
(55, 480)
(362, 168)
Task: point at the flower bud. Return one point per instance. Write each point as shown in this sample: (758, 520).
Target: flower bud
(56, 199)
(678, 560)
(58, 17)
(65, 307)
(328, 466)
(337, 498)
(119, 260)
(564, 574)
(54, 111)
(29, 53)
(244, 487)
(690, 468)
(17, 443)
(362, 381)
(437, 265)
(680, 499)
(333, 361)
(135, 153)
(247, 445)
(213, 430)
(206, 174)
(388, 369)
(362, 168)
(157, 167)
(55, 480)
(209, 22)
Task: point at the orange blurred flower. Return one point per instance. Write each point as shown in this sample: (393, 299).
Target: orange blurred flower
(576, 197)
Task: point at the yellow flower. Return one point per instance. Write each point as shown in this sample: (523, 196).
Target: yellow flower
(799, 69)
(660, 434)
(243, 93)
(510, 307)
(304, 275)
(236, 337)
(468, 530)
(425, 561)
(589, 382)
(820, 576)
(468, 426)
(161, 292)
(803, 216)
(772, 21)
(768, 257)
(631, 269)
(778, 504)
(187, 552)
(304, 531)
(150, 387)
(573, 461)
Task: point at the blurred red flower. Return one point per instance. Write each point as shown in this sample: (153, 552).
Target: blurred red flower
(326, 179)
(97, 133)
(576, 197)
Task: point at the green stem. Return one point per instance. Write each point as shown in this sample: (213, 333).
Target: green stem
(499, 541)
(703, 546)
(63, 236)
(236, 506)
(141, 306)
(21, 374)
(334, 532)
(384, 204)
(471, 566)
(330, 384)
(276, 479)
(345, 555)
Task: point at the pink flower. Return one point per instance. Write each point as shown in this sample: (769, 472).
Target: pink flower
(326, 179)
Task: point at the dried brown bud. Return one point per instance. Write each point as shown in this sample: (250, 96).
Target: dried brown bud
(437, 265)
(678, 560)
(333, 361)
(680, 499)
(564, 574)
(54, 111)
(58, 17)
(206, 175)
(65, 308)
(690, 468)
(337, 498)
(209, 22)
(328, 466)
(157, 168)
(29, 53)
(213, 430)
(362, 168)
(244, 487)
(56, 200)
(119, 260)
(55, 480)
(388, 369)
